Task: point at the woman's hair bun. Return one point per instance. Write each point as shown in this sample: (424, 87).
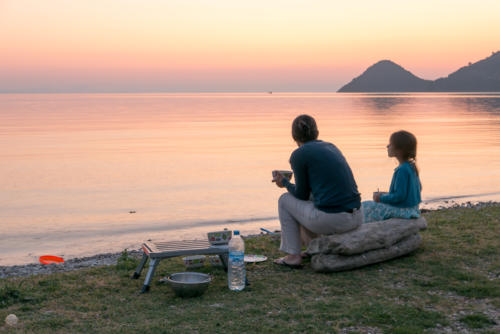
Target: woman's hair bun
(304, 129)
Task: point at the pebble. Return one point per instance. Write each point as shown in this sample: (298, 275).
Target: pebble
(361, 329)
(465, 205)
(11, 320)
(217, 305)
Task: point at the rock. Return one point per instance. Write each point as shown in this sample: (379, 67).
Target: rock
(370, 236)
(11, 320)
(335, 262)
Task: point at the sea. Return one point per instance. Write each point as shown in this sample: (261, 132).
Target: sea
(82, 174)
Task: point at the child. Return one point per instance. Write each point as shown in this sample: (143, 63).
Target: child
(404, 194)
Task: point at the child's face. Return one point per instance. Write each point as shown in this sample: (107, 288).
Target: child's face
(391, 152)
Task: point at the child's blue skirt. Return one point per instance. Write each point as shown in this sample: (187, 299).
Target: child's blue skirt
(374, 211)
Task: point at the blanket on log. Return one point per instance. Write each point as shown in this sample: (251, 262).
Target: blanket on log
(380, 234)
(370, 243)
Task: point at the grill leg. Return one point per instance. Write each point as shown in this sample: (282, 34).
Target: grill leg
(224, 260)
(139, 268)
(152, 267)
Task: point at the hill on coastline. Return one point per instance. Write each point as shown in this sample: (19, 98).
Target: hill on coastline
(387, 76)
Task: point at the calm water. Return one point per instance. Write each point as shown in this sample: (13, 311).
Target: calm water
(73, 167)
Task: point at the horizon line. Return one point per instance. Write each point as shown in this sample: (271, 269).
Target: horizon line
(254, 92)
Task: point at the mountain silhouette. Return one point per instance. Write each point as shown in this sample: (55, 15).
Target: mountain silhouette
(483, 76)
(387, 76)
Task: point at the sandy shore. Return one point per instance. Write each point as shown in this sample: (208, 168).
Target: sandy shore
(71, 264)
(111, 258)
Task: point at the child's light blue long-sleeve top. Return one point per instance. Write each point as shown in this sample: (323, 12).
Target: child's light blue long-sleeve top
(405, 188)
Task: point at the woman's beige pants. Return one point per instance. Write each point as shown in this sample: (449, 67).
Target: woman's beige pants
(294, 212)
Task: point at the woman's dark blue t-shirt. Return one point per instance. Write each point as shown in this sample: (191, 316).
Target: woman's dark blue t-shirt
(320, 169)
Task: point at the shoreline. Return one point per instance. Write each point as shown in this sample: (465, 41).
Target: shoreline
(108, 259)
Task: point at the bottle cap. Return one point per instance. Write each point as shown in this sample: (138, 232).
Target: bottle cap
(236, 232)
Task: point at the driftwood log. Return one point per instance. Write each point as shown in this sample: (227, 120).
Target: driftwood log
(335, 262)
(375, 235)
(370, 243)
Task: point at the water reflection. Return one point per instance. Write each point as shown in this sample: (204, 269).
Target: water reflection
(384, 105)
(483, 104)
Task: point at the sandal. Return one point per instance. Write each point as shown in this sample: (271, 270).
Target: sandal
(281, 262)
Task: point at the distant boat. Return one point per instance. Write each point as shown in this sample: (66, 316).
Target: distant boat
(269, 92)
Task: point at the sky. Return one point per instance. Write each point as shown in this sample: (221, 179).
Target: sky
(233, 45)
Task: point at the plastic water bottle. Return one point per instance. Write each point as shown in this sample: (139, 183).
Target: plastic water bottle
(236, 269)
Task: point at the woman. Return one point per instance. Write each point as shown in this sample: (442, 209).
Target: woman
(324, 198)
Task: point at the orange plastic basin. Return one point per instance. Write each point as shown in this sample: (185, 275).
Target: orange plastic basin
(49, 259)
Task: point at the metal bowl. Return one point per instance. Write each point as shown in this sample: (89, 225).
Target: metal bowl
(189, 284)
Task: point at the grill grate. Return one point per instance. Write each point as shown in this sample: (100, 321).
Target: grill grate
(163, 249)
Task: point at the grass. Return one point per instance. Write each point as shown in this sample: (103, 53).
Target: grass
(455, 272)
(477, 321)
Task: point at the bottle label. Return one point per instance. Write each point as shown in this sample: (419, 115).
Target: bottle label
(236, 257)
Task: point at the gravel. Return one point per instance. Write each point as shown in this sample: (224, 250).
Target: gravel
(69, 265)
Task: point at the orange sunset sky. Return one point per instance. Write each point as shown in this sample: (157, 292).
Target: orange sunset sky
(232, 45)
